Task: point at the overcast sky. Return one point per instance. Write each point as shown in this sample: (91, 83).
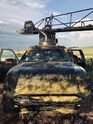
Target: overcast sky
(13, 14)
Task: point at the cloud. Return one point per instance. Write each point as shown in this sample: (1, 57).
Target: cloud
(16, 21)
(23, 10)
(56, 13)
(78, 39)
(35, 5)
(38, 4)
(13, 2)
(3, 22)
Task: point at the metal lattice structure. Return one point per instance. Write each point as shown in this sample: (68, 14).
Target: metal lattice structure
(52, 22)
(49, 26)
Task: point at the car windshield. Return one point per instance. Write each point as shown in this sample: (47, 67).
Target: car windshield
(46, 55)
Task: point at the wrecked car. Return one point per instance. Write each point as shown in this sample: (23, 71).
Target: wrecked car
(46, 78)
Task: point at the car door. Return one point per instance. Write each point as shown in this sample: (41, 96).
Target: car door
(8, 59)
(78, 56)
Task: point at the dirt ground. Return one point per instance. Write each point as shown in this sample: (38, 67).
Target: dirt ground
(50, 117)
(47, 118)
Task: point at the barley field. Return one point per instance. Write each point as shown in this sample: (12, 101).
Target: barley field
(88, 52)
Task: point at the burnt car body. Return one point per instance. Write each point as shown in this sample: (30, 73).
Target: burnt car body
(46, 78)
(8, 59)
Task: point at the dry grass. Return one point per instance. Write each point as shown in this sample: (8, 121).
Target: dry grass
(88, 52)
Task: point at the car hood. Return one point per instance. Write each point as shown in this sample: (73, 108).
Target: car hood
(53, 67)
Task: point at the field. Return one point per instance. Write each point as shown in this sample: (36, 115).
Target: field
(88, 52)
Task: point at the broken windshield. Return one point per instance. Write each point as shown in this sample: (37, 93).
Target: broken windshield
(46, 55)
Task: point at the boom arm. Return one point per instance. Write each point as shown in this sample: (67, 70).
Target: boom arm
(49, 23)
(57, 23)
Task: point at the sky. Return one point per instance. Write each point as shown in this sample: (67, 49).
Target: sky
(13, 14)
